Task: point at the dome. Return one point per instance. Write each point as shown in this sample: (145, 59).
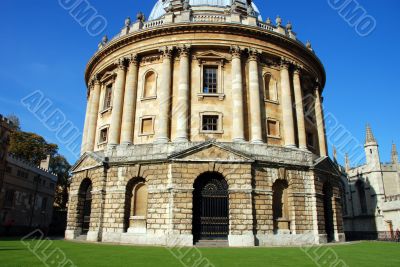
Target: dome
(159, 8)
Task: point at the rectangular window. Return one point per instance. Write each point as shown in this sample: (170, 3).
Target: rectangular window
(8, 169)
(103, 136)
(51, 185)
(147, 126)
(210, 79)
(273, 128)
(107, 97)
(22, 174)
(210, 123)
(44, 204)
(9, 199)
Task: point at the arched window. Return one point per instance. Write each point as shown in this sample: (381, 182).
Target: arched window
(280, 205)
(136, 206)
(361, 195)
(270, 87)
(150, 85)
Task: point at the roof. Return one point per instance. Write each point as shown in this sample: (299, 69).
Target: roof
(30, 167)
(159, 8)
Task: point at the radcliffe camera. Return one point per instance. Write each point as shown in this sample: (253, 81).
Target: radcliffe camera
(199, 133)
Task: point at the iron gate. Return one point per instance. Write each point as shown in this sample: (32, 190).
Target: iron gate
(211, 210)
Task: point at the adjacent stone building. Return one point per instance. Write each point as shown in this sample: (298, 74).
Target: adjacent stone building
(371, 195)
(27, 196)
(26, 191)
(5, 128)
(205, 123)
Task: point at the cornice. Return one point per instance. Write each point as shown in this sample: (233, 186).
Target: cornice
(227, 28)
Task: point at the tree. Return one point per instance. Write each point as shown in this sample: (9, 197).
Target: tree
(34, 148)
(31, 147)
(60, 166)
(16, 125)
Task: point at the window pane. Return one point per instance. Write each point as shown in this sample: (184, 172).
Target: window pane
(273, 128)
(107, 98)
(210, 123)
(103, 135)
(147, 126)
(210, 79)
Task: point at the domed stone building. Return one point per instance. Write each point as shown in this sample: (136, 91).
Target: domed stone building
(205, 123)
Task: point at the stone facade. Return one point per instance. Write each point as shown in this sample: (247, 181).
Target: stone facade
(205, 91)
(371, 194)
(27, 196)
(26, 191)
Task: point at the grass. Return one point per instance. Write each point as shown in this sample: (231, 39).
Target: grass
(16, 253)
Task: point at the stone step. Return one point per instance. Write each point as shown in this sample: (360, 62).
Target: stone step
(81, 238)
(212, 243)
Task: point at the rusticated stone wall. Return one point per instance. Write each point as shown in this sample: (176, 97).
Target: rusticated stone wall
(170, 185)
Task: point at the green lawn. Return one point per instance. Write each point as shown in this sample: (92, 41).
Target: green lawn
(16, 253)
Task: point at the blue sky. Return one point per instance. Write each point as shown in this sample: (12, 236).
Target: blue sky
(43, 48)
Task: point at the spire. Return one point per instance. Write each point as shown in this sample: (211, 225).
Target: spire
(347, 162)
(370, 138)
(395, 155)
(334, 154)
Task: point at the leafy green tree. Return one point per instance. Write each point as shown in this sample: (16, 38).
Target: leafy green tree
(31, 147)
(15, 121)
(60, 166)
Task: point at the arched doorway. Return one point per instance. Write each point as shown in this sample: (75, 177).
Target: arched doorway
(280, 208)
(328, 212)
(85, 195)
(210, 207)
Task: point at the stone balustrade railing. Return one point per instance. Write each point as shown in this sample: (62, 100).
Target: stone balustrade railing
(392, 198)
(199, 18)
(209, 18)
(153, 24)
(265, 26)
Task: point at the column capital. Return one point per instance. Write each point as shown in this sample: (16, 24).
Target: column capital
(166, 52)
(317, 90)
(235, 51)
(253, 54)
(285, 63)
(298, 69)
(184, 50)
(95, 79)
(133, 59)
(120, 63)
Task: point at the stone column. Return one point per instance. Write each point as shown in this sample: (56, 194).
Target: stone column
(128, 115)
(287, 108)
(237, 96)
(118, 98)
(320, 123)
(255, 103)
(298, 95)
(183, 96)
(89, 143)
(85, 127)
(165, 97)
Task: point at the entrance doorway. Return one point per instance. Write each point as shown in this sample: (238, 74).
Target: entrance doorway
(87, 207)
(210, 207)
(328, 212)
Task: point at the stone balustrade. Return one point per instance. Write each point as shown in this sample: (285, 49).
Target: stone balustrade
(205, 18)
(392, 198)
